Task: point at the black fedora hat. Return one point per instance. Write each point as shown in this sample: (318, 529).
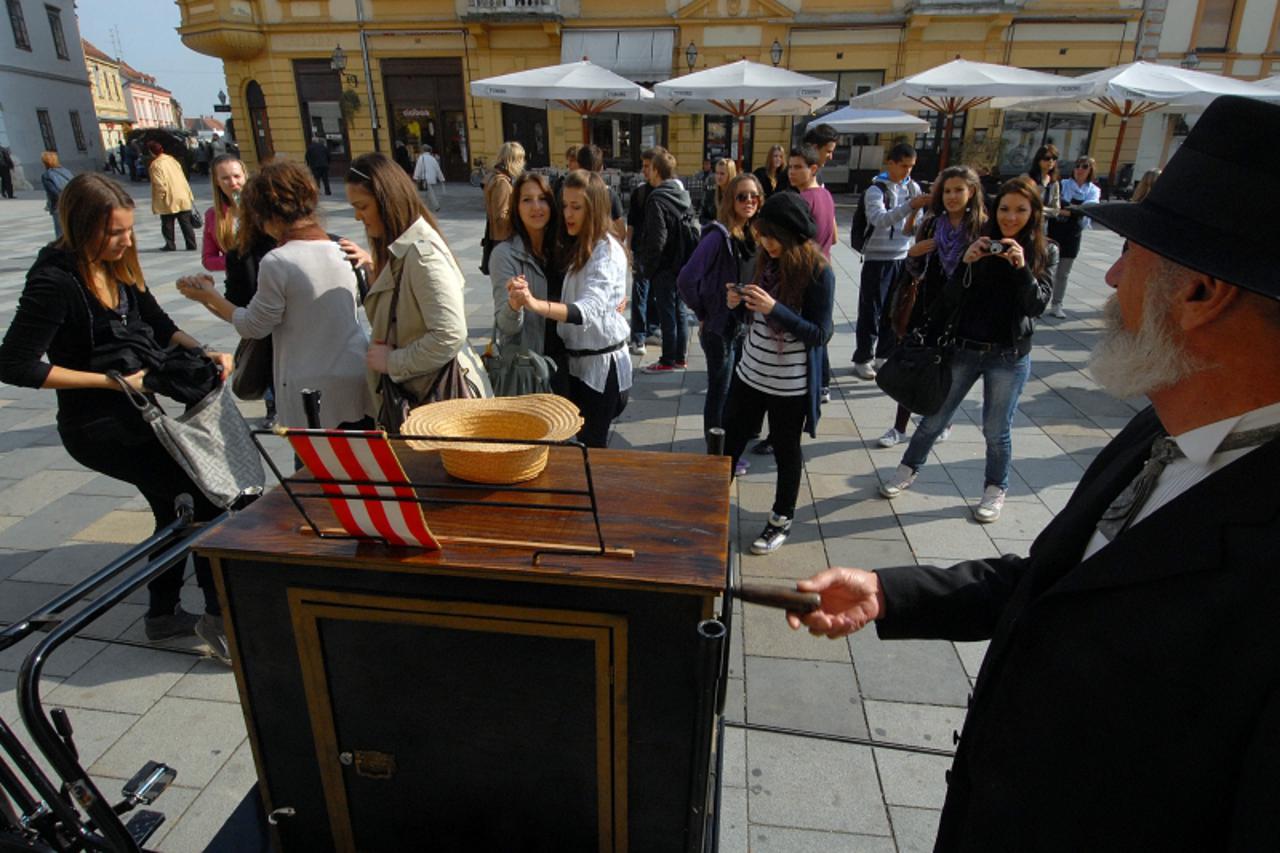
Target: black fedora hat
(1209, 211)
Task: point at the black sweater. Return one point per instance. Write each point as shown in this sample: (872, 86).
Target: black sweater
(54, 320)
(1001, 302)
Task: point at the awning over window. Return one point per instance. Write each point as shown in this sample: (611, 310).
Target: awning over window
(641, 55)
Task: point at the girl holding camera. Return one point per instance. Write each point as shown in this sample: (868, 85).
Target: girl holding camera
(1003, 282)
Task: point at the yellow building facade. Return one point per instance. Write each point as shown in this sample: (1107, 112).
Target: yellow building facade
(108, 96)
(408, 64)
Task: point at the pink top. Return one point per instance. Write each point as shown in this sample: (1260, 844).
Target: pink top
(211, 254)
(823, 208)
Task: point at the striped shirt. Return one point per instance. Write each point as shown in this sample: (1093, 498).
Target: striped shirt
(773, 364)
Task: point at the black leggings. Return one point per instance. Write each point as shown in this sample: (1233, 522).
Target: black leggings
(598, 409)
(131, 452)
(743, 414)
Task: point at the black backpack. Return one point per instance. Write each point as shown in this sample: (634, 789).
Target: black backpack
(861, 229)
(683, 234)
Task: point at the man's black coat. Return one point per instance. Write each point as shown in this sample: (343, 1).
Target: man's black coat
(1130, 702)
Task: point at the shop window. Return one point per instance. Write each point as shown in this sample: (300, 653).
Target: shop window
(320, 98)
(1024, 133)
(78, 131)
(259, 123)
(623, 137)
(1215, 24)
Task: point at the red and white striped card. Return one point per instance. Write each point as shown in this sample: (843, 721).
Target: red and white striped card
(365, 456)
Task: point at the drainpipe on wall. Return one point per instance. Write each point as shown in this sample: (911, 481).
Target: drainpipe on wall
(368, 77)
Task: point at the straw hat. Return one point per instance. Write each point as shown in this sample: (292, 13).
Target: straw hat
(547, 417)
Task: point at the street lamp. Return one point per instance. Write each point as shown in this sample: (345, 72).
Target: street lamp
(338, 62)
(691, 55)
(222, 97)
(775, 52)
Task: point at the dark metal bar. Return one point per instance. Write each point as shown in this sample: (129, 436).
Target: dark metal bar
(856, 741)
(713, 828)
(711, 636)
(116, 837)
(311, 406)
(715, 441)
(310, 496)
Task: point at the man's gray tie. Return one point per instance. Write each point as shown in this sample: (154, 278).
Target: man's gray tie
(1120, 514)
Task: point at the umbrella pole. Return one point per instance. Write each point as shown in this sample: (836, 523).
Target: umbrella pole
(586, 129)
(946, 142)
(1115, 157)
(741, 153)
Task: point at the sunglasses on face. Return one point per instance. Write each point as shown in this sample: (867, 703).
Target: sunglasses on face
(1051, 159)
(1082, 165)
(745, 197)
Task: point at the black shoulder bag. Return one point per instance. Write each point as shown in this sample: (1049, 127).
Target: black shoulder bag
(917, 374)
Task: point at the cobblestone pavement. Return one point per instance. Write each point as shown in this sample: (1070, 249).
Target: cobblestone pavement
(130, 702)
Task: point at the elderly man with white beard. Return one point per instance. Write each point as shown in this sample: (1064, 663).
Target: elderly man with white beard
(1130, 696)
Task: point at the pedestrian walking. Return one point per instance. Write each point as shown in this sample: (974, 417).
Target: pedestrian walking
(662, 256)
(171, 197)
(787, 311)
(86, 309)
(317, 158)
(640, 317)
(1001, 285)
(427, 174)
(1068, 227)
(6, 172)
(54, 179)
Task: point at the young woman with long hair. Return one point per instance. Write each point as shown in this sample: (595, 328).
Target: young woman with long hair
(497, 190)
(529, 256)
(788, 314)
(726, 253)
(1001, 285)
(1068, 228)
(222, 219)
(1044, 174)
(773, 174)
(587, 318)
(955, 217)
(306, 301)
(84, 297)
(411, 259)
(713, 193)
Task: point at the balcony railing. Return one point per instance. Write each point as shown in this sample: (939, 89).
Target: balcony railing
(493, 8)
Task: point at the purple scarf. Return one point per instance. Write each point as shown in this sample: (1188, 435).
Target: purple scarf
(951, 242)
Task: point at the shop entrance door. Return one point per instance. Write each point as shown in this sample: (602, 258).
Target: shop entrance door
(422, 95)
(528, 126)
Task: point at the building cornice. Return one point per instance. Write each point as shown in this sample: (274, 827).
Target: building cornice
(44, 75)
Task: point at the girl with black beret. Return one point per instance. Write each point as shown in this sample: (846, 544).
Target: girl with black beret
(787, 312)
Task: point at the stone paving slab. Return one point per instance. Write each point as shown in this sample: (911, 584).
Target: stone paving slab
(59, 522)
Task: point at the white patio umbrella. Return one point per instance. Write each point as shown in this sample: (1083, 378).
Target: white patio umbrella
(1138, 88)
(743, 89)
(959, 86)
(854, 120)
(580, 87)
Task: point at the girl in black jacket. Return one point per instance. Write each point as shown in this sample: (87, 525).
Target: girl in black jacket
(84, 298)
(1003, 282)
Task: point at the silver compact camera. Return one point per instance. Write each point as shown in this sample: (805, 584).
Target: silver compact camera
(994, 248)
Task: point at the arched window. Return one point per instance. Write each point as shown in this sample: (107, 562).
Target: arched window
(259, 123)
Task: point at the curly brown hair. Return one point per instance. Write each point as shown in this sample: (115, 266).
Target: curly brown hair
(281, 190)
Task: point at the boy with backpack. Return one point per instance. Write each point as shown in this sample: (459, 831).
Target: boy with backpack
(671, 233)
(882, 234)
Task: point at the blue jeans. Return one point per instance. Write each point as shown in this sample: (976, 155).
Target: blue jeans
(722, 355)
(873, 291)
(639, 309)
(1003, 374)
(675, 331)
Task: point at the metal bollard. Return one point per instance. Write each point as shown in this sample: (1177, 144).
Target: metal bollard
(311, 406)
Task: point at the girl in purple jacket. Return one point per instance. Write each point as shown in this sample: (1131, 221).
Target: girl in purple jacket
(724, 255)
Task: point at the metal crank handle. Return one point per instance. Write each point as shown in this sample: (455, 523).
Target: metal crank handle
(780, 597)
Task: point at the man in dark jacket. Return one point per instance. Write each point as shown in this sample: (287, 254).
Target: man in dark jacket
(318, 161)
(635, 234)
(1130, 697)
(659, 258)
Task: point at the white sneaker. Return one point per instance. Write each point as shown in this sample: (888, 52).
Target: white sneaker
(944, 435)
(891, 438)
(824, 395)
(773, 535)
(1055, 310)
(900, 481)
(988, 509)
(864, 370)
(637, 349)
(878, 363)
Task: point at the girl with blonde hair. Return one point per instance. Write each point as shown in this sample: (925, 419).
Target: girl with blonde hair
(222, 219)
(724, 170)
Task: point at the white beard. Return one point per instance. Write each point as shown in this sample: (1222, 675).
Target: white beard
(1134, 364)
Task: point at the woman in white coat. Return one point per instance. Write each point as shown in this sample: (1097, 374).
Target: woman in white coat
(306, 301)
(587, 318)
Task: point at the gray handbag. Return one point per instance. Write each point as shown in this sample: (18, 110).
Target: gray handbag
(210, 442)
(516, 372)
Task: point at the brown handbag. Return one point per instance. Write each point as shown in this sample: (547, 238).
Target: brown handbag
(903, 301)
